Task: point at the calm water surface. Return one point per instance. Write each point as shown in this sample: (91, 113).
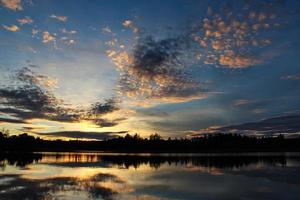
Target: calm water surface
(149, 177)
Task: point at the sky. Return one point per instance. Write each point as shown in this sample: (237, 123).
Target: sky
(180, 68)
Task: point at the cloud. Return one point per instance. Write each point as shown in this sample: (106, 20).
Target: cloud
(259, 110)
(103, 108)
(295, 77)
(102, 122)
(127, 23)
(31, 128)
(242, 102)
(13, 121)
(29, 48)
(97, 110)
(63, 30)
(159, 68)
(229, 39)
(105, 123)
(71, 42)
(130, 24)
(34, 32)
(12, 28)
(47, 37)
(31, 99)
(26, 20)
(59, 18)
(26, 75)
(155, 69)
(238, 61)
(82, 135)
(31, 103)
(68, 41)
(289, 125)
(106, 30)
(12, 4)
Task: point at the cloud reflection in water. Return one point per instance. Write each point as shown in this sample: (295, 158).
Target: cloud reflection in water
(121, 176)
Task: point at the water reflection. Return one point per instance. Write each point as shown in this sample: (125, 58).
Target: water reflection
(93, 187)
(145, 176)
(229, 161)
(18, 159)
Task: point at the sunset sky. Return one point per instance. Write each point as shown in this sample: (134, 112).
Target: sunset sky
(97, 69)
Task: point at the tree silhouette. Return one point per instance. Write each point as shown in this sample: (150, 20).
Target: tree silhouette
(154, 144)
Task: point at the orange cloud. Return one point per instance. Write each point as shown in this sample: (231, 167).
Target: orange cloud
(221, 32)
(129, 24)
(238, 61)
(12, 28)
(47, 37)
(12, 4)
(26, 20)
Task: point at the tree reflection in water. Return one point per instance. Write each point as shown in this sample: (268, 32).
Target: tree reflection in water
(105, 176)
(228, 161)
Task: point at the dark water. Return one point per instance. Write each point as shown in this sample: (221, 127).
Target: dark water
(149, 177)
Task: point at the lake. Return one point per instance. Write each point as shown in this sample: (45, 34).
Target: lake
(149, 176)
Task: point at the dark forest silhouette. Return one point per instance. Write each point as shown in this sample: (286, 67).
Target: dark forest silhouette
(154, 144)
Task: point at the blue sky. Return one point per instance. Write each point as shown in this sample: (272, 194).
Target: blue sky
(177, 68)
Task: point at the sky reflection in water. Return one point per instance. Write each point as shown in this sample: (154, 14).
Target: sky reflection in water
(117, 176)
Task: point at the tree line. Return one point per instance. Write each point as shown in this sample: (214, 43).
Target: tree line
(154, 144)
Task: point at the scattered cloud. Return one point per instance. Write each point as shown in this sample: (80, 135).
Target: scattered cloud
(106, 30)
(31, 97)
(273, 126)
(82, 135)
(63, 30)
(259, 110)
(32, 103)
(203, 131)
(67, 38)
(29, 48)
(102, 122)
(12, 28)
(59, 18)
(68, 41)
(26, 20)
(127, 23)
(12, 4)
(295, 77)
(158, 68)
(98, 110)
(237, 61)
(47, 37)
(13, 121)
(31, 128)
(71, 42)
(155, 69)
(28, 76)
(34, 32)
(242, 102)
(102, 108)
(229, 39)
(130, 24)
